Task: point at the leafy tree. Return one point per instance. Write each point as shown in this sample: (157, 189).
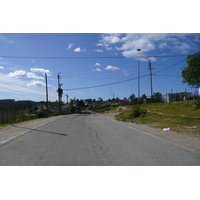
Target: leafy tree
(143, 96)
(158, 96)
(191, 73)
(100, 99)
(132, 98)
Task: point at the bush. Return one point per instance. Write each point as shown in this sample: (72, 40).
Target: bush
(197, 102)
(41, 114)
(137, 112)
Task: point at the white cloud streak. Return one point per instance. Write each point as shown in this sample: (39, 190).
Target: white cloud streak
(97, 70)
(70, 45)
(4, 38)
(147, 42)
(79, 49)
(24, 74)
(40, 70)
(36, 83)
(97, 64)
(99, 50)
(112, 68)
(23, 88)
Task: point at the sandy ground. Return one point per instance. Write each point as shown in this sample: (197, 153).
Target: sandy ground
(190, 141)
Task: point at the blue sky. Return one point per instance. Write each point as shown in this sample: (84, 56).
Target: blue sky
(92, 59)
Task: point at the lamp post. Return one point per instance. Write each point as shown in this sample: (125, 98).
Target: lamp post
(138, 75)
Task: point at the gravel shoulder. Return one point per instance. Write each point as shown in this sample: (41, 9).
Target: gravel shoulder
(185, 139)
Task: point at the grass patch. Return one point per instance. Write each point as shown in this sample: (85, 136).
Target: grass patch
(179, 116)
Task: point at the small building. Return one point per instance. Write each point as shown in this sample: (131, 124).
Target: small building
(181, 96)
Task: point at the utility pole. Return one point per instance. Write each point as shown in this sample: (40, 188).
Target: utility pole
(46, 95)
(67, 98)
(60, 92)
(138, 75)
(150, 68)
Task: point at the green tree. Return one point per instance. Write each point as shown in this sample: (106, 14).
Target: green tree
(191, 73)
(132, 98)
(143, 96)
(158, 96)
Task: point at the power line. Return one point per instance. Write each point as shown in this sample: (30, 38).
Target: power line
(89, 78)
(171, 66)
(166, 75)
(86, 57)
(105, 84)
(122, 81)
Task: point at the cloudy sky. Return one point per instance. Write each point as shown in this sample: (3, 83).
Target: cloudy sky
(94, 49)
(92, 65)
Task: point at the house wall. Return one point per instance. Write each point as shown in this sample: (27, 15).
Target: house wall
(182, 96)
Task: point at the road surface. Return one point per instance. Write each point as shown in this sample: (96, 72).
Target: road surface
(92, 140)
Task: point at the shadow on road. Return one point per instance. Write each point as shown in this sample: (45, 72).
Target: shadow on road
(35, 129)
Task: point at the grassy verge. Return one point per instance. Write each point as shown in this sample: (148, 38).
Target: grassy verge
(179, 116)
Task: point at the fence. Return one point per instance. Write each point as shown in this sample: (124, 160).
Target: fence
(12, 116)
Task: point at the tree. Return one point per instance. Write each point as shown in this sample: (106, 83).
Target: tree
(132, 98)
(191, 73)
(143, 96)
(158, 97)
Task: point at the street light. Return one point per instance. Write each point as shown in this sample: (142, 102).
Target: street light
(138, 75)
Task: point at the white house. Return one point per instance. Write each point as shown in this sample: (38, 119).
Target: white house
(181, 96)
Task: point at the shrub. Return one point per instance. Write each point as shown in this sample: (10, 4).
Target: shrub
(137, 112)
(41, 114)
(197, 102)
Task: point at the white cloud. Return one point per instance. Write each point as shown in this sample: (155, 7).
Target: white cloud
(1, 67)
(147, 42)
(97, 64)
(2, 37)
(11, 42)
(153, 59)
(112, 68)
(181, 46)
(33, 60)
(99, 44)
(18, 87)
(70, 46)
(36, 83)
(110, 39)
(40, 70)
(79, 49)
(97, 70)
(99, 50)
(33, 75)
(125, 72)
(22, 73)
(17, 74)
(163, 45)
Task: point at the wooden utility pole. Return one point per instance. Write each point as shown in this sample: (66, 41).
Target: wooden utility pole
(60, 92)
(46, 95)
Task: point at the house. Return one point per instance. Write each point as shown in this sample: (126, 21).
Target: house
(181, 96)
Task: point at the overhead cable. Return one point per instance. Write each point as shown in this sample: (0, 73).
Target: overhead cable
(105, 84)
(85, 57)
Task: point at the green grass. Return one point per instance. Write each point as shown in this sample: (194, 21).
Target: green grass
(179, 116)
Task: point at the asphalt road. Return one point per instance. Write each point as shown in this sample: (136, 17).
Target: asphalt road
(93, 140)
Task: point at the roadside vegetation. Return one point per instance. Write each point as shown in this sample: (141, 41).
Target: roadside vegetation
(180, 116)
